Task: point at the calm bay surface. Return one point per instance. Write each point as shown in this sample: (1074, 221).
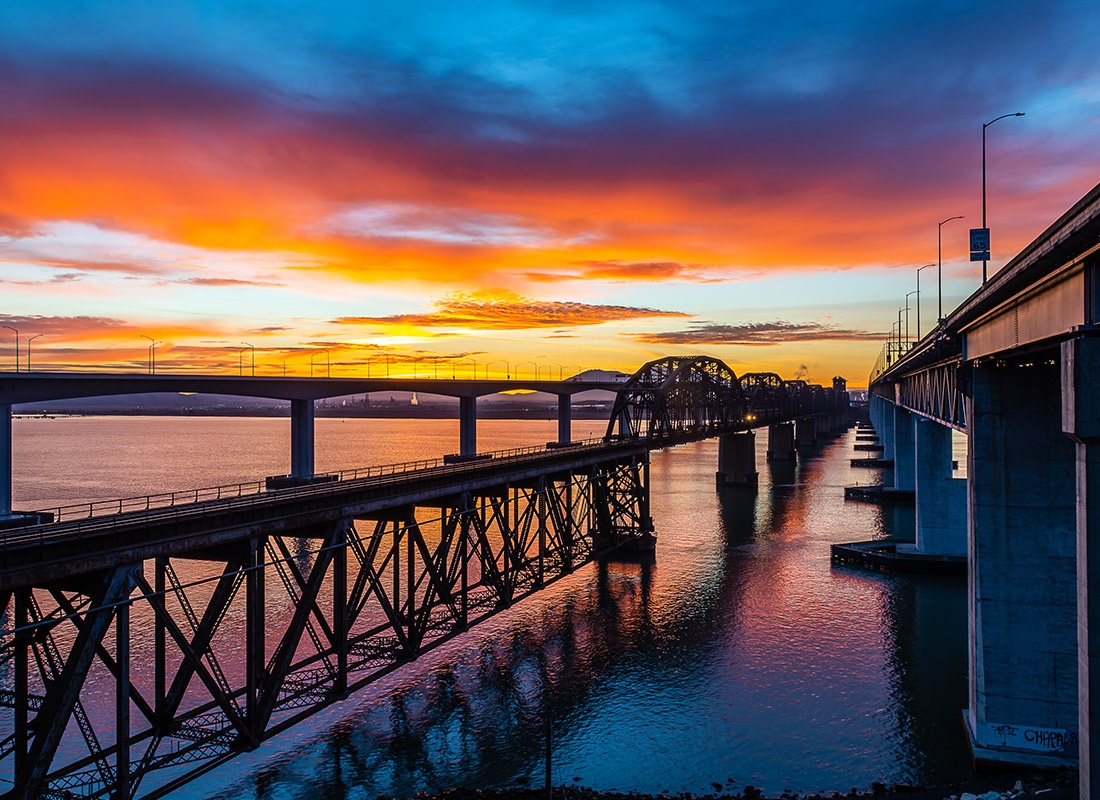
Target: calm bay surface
(740, 657)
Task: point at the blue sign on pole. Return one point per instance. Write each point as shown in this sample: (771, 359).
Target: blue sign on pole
(979, 255)
(979, 240)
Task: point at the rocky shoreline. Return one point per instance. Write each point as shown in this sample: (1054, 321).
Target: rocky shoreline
(1056, 785)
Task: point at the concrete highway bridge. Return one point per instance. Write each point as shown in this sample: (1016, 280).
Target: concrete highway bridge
(150, 639)
(1017, 368)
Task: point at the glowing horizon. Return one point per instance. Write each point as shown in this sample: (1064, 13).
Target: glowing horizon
(591, 187)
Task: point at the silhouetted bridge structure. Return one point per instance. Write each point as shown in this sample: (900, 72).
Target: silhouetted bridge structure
(149, 640)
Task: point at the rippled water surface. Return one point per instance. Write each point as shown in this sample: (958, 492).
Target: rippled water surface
(741, 656)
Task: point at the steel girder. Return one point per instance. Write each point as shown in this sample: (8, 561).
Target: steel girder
(935, 392)
(129, 682)
(695, 395)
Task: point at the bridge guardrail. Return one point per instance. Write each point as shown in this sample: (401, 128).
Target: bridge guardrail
(96, 508)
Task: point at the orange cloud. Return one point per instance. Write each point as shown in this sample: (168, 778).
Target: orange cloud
(502, 310)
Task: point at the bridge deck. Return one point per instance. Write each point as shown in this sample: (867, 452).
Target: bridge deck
(60, 550)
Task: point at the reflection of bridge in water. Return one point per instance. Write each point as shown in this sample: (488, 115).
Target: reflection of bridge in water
(153, 644)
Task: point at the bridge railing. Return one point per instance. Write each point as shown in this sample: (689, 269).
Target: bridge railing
(100, 508)
(889, 355)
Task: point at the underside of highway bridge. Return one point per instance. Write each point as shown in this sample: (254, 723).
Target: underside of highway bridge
(1017, 368)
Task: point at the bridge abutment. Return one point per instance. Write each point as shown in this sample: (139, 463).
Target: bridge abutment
(737, 459)
(940, 498)
(781, 442)
(1022, 568)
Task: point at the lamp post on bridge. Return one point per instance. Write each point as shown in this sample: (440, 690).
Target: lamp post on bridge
(907, 339)
(985, 227)
(926, 266)
(10, 328)
(507, 368)
(31, 339)
(328, 364)
(252, 354)
(534, 366)
(939, 262)
(152, 369)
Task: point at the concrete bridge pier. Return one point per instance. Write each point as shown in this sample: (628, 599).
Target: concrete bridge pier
(565, 418)
(5, 460)
(737, 460)
(467, 426)
(876, 408)
(821, 425)
(805, 432)
(1081, 420)
(781, 442)
(940, 498)
(904, 452)
(301, 438)
(1023, 534)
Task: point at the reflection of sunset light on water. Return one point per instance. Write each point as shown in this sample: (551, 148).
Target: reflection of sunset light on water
(741, 653)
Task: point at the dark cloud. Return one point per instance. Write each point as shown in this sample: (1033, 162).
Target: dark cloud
(758, 334)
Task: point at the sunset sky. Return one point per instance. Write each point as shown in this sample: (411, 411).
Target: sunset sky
(561, 185)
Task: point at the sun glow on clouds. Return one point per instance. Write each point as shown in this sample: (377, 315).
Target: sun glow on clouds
(567, 179)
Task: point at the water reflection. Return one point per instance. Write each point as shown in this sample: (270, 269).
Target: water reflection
(740, 654)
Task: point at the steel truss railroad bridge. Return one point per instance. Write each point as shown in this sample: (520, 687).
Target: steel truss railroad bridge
(143, 647)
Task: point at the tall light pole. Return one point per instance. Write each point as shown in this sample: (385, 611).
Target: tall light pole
(10, 328)
(939, 262)
(907, 339)
(31, 339)
(152, 353)
(985, 261)
(252, 355)
(926, 266)
(328, 364)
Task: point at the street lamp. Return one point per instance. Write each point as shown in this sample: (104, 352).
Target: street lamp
(252, 354)
(152, 353)
(328, 364)
(907, 339)
(534, 366)
(926, 266)
(985, 261)
(507, 368)
(31, 339)
(939, 261)
(10, 328)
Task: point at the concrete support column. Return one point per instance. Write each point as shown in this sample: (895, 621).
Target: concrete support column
(565, 418)
(5, 459)
(301, 438)
(467, 426)
(805, 432)
(904, 452)
(941, 499)
(821, 424)
(781, 442)
(886, 431)
(1081, 420)
(1022, 568)
(736, 459)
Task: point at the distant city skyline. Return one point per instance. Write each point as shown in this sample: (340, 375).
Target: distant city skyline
(480, 186)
